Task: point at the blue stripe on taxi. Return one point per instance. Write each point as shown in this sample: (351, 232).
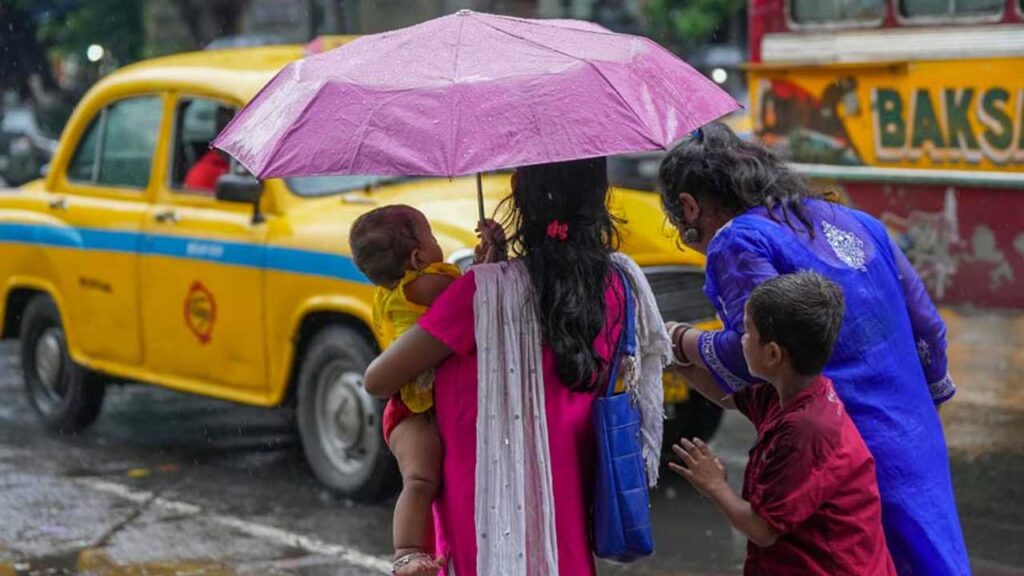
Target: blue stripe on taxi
(279, 258)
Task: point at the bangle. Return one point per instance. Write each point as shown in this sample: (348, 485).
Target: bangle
(678, 354)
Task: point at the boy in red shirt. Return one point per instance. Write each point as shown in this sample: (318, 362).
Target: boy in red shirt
(810, 503)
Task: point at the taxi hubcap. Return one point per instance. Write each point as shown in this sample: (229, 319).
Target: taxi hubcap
(50, 365)
(344, 419)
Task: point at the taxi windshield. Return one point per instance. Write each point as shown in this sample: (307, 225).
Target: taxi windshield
(313, 186)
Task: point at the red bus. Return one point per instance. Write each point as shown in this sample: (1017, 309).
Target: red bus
(915, 110)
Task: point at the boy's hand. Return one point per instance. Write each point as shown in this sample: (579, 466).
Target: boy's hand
(703, 469)
(493, 246)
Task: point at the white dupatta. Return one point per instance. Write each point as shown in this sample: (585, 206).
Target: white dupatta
(653, 354)
(514, 511)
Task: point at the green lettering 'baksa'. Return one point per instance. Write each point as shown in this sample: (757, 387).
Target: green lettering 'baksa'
(1020, 122)
(993, 103)
(958, 104)
(889, 108)
(926, 123)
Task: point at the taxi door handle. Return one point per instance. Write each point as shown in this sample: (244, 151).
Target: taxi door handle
(167, 217)
(59, 204)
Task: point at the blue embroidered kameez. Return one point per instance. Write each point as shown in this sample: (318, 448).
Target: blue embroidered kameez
(889, 364)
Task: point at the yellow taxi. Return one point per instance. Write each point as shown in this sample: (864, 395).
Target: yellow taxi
(145, 256)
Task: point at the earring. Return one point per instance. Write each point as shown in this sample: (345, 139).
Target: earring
(691, 235)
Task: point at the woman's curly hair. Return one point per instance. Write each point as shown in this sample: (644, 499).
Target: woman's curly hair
(719, 169)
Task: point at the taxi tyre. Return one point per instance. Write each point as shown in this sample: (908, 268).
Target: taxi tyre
(331, 373)
(66, 396)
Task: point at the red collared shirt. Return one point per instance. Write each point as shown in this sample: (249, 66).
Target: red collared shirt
(811, 477)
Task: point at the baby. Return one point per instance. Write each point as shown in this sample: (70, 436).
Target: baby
(396, 249)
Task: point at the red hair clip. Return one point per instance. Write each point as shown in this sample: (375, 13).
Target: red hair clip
(558, 230)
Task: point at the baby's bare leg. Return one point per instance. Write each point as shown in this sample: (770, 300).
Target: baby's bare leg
(417, 447)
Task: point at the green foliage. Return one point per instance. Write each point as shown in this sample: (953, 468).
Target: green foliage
(116, 25)
(688, 22)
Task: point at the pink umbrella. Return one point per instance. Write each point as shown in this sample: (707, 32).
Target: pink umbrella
(471, 92)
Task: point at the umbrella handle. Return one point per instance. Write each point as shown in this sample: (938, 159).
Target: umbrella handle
(480, 195)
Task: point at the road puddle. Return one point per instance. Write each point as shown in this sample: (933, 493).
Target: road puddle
(986, 360)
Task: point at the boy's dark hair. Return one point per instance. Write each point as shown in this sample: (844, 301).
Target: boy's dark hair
(382, 241)
(802, 313)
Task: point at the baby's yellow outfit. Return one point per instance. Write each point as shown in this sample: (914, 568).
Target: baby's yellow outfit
(393, 314)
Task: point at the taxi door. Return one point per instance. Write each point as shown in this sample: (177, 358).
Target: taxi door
(102, 190)
(202, 275)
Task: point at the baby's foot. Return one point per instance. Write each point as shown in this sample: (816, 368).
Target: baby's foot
(416, 564)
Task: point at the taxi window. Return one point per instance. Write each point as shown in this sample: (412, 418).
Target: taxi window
(315, 186)
(195, 166)
(816, 12)
(947, 8)
(83, 164)
(117, 149)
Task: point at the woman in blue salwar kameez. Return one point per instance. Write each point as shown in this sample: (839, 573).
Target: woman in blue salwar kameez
(754, 219)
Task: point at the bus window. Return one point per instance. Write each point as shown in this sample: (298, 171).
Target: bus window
(836, 11)
(946, 8)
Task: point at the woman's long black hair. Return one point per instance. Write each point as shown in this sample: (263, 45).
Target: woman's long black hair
(568, 275)
(720, 170)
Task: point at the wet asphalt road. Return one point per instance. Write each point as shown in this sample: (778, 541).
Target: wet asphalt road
(167, 483)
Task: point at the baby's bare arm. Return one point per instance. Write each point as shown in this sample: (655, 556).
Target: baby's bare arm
(425, 289)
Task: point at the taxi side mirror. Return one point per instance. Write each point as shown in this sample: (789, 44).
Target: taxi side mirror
(241, 188)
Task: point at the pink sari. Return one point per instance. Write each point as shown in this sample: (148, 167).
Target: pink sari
(570, 433)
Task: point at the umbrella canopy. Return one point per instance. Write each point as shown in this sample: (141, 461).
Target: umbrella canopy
(471, 92)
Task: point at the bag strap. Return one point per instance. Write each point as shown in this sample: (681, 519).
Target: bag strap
(627, 335)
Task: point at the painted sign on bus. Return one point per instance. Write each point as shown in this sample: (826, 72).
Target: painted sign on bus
(948, 115)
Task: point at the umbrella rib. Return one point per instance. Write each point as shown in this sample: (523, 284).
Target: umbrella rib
(533, 22)
(248, 164)
(365, 125)
(284, 134)
(596, 69)
(454, 128)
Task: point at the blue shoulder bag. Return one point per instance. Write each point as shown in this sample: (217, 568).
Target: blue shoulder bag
(622, 519)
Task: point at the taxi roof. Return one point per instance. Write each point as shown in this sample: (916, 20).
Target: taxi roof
(232, 73)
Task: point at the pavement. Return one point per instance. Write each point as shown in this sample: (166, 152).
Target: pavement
(171, 484)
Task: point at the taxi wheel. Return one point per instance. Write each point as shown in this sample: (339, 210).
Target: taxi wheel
(339, 423)
(66, 396)
(698, 417)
